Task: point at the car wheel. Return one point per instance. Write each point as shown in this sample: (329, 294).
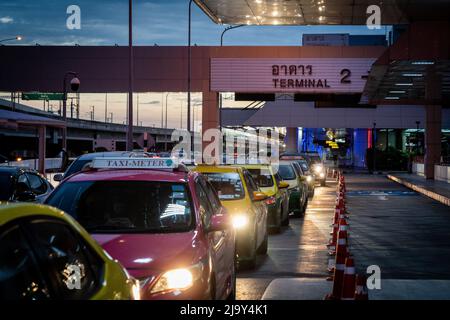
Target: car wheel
(285, 222)
(251, 262)
(212, 288)
(311, 193)
(264, 245)
(232, 295)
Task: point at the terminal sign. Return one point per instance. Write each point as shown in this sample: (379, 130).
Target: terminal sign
(334, 75)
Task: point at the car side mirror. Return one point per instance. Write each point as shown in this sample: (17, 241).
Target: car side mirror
(25, 196)
(58, 177)
(220, 222)
(283, 185)
(259, 196)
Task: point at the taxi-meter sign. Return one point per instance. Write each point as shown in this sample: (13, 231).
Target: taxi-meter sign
(133, 163)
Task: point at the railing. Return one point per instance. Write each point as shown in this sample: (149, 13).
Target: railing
(50, 163)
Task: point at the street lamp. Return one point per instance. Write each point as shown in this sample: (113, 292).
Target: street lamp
(17, 38)
(74, 86)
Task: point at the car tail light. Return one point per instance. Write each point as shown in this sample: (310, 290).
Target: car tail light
(270, 200)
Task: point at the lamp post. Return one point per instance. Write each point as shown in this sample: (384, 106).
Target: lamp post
(220, 93)
(417, 136)
(129, 144)
(74, 86)
(16, 38)
(373, 144)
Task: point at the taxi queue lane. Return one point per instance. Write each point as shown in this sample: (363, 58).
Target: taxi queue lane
(198, 272)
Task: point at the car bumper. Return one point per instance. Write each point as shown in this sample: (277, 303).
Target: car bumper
(294, 201)
(273, 216)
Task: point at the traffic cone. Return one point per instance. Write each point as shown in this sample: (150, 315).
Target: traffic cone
(338, 276)
(348, 286)
(361, 288)
(341, 240)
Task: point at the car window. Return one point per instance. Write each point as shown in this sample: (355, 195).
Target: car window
(286, 171)
(19, 272)
(262, 176)
(298, 169)
(76, 166)
(126, 206)
(213, 197)
(251, 185)
(73, 270)
(202, 196)
(227, 184)
(6, 186)
(37, 184)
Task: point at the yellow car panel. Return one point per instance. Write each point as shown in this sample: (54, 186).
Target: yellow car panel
(115, 283)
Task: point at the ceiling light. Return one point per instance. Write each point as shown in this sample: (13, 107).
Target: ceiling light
(412, 74)
(274, 13)
(404, 84)
(321, 18)
(397, 91)
(321, 8)
(391, 98)
(423, 62)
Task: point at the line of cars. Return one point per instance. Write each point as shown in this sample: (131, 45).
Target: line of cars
(182, 233)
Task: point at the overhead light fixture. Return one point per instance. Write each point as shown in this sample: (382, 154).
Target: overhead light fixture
(397, 91)
(423, 62)
(412, 75)
(321, 18)
(275, 13)
(404, 84)
(392, 98)
(321, 8)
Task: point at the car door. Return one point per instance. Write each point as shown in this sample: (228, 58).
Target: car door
(259, 208)
(302, 182)
(72, 268)
(21, 278)
(38, 186)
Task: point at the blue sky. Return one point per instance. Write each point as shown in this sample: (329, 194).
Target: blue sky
(105, 22)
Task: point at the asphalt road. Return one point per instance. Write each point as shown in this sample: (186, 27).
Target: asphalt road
(298, 251)
(406, 234)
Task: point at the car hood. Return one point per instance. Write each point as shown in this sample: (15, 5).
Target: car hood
(156, 252)
(236, 206)
(270, 191)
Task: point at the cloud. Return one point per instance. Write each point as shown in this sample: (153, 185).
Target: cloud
(6, 20)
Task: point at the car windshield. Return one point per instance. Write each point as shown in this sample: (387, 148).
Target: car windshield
(5, 186)
(263, 177)
(76, 166)
(126, 206)
(303, 164)
(286, 172)
(227, 185)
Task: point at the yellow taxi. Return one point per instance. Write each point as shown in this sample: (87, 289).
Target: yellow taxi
(270, 182)
(242, 198)
(45, 254)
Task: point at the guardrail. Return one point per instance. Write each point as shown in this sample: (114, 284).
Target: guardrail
(50, 163)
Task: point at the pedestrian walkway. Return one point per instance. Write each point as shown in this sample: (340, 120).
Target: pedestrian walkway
(437, 190)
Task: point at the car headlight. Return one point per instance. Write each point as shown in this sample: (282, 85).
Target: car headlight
(318, 169)
(308, 179)
(240, 221)
(136, 291)
(178, 279)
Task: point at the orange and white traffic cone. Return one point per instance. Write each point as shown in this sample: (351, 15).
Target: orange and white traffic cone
(348, 287)
(341, 240)
(361, 288)
(338, 276)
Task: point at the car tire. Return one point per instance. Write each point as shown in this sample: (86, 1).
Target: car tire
(311, 193)
(250, 264)
(264, 245)
(285, 222)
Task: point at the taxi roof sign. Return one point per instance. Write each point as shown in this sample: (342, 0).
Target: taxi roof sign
(133, 163)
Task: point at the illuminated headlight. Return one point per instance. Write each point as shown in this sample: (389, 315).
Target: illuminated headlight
(322, 175)
(318, 169)
(136, 291)
(178, 279)
(308, 178)
(240, 221)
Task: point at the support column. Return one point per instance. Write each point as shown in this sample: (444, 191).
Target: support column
(291, 140)
(210, 114)
(42, 146)
(433, 122)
